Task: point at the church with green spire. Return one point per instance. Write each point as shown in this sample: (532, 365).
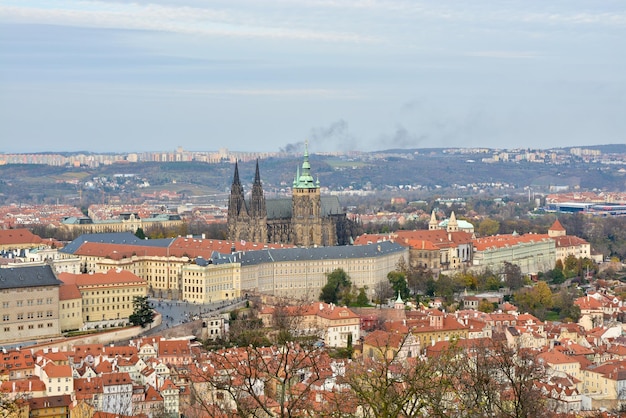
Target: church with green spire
(307, 219)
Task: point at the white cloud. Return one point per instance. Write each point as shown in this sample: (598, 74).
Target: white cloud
(185, 20)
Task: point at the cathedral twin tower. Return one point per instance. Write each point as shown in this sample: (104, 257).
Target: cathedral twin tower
(307, 219)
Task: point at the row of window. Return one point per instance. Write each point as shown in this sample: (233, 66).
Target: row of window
(98, 301)
(29, 315)
(30, 326)
(29, 302)
(108, 308)
(114, 291)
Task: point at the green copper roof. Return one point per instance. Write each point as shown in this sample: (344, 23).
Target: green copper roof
(304, 179)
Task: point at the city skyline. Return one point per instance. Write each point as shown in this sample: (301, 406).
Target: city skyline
(106, 76)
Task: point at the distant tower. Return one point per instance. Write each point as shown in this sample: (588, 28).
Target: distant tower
(257, 210)
(557, 230)
(238, 219)
(433, 224)
(306, 206)
(453, 225)
(399, 303)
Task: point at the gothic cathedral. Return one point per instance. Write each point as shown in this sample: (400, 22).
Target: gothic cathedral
(307, 219)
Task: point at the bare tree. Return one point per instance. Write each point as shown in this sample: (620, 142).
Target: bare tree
(252, 381)
(498, 381)
(8, 405)
(275, 380)
(390, 384)
(382, 292)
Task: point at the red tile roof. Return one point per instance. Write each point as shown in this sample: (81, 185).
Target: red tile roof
(18, 236)
(556, 226)
(52, 370)
(32, 384)
(111, 277)
(569, 241)
(114, 379)
(507, 240)
(69, 291)
(383, 339)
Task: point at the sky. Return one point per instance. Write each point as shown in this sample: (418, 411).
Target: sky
(365, 75)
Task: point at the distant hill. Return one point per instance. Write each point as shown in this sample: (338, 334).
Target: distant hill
(429, 170)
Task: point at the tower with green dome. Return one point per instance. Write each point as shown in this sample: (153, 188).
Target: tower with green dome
(306, 219)
(306, 203)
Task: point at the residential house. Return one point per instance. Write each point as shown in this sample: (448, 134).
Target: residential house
(390, 345)
(117, 393)
(568, 245)
(605, 384)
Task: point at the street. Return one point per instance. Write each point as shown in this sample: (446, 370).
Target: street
(179, 312)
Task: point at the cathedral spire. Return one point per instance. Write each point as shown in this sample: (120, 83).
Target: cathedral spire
(257, 200)
(236, 182)
(236, 201)
(257, 176)
(304, 179)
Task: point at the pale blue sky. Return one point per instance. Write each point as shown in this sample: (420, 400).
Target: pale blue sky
(254, 75)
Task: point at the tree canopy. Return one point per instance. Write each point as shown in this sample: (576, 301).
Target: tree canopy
(143, 314)
(337, 288)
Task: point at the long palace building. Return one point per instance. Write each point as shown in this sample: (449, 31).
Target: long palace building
(204, 270)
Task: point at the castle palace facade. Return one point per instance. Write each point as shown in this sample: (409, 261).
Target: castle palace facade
(307, 219)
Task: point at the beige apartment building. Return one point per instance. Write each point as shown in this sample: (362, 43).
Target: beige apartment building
(29, 303)
(205, 282)
(71, 312)
(107, 298)
(336, 326)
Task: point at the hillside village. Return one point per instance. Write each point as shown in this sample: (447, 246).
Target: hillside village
(67, 307)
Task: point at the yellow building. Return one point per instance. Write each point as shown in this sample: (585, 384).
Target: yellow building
(205, 282)
(605, 384)
(107, 298)
(71, 304)
(29, 303)
(130, 223)
(436, 326)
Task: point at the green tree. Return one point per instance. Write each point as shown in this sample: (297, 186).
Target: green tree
(555, 276)
(559, 265)
(446, 286)
(536, 300)
(488, 227)
(140, 234)
(492, 283)
(571, 266)
(337, 287)
(361, 299)
(143, 314)
(468, 279)
(564, 305)
(399, 284)
(485, 306)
